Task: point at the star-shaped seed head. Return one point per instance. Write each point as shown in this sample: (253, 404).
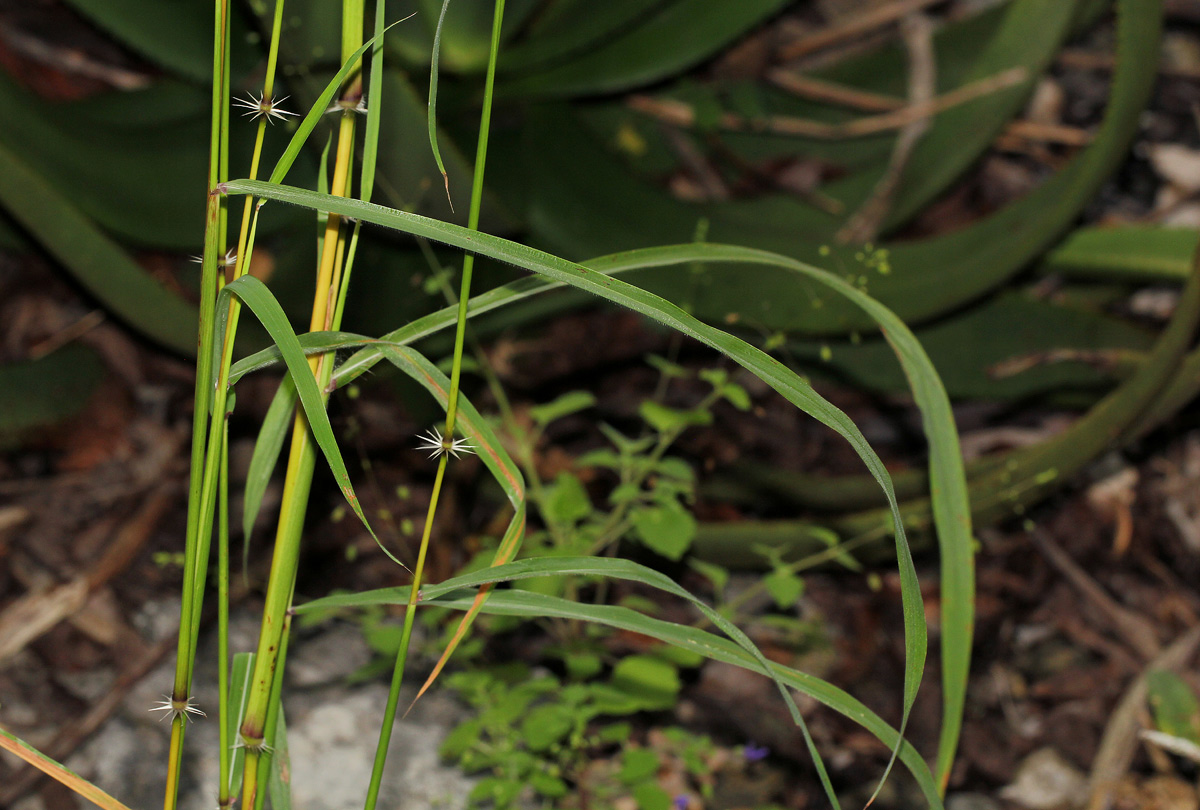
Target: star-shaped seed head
(228, 260)
(436, 444)
(176, 708)
(259, 747)
(358, 105)
(269, 108)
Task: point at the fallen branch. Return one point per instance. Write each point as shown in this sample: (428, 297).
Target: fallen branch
(682, 114)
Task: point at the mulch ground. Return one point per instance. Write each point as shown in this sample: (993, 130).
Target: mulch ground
(1076, 600)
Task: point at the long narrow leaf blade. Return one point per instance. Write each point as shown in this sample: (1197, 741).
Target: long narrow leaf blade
(255, 295)
(433, 91)
(775, 374)
(55, 770)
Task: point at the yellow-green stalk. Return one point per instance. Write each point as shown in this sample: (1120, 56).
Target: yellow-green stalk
(302, 454)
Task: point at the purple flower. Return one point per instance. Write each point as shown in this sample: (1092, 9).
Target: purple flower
(755, 753)
(680, 802)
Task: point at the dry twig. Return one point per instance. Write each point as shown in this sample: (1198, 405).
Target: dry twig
(682, 114)
(860, 24)
(865, 223)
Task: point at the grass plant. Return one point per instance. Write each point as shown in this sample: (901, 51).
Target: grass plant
(250, 707)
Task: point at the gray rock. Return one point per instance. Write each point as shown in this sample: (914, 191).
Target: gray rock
(332, 733)
(333, 744)
(971, 801)
(1045, 781)
(331, 656)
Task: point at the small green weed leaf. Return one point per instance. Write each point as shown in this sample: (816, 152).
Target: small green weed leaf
(784, 587)
(582, 664)
(565, 405)
(625, 493)
(670, 420)
(649, 679)
(667, 529)
(508, 708)
(549, 786)
(599, 458)
(669, 490)
(1173, 701)
(499, 791)
(637, 764)
(675, 468)
(545, 725)
(649, 796)
(736, 396)
(461, 738)
(382, 637)
(615, 733)
(567, 502)
(666, 367)
(626, 447)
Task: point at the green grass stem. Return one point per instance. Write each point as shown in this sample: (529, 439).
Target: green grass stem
(389, 715)
(214, 227)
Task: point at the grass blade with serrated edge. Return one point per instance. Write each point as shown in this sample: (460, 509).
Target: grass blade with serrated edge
(432, 106)
(604, 286)
(23, 750)
(769, 370)
(375, 107)
(255, 295)
(310, 343)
